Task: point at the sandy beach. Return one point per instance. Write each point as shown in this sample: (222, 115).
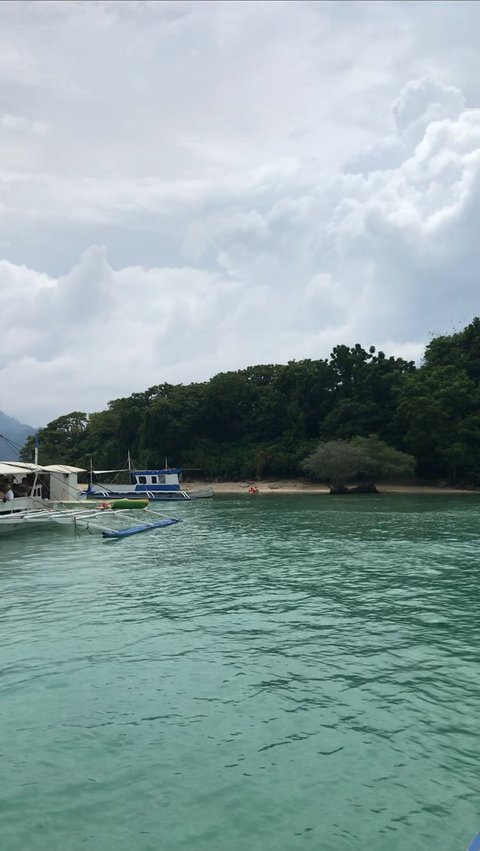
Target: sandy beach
(299, 486)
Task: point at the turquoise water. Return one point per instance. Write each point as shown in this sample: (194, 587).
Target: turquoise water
(274, 673)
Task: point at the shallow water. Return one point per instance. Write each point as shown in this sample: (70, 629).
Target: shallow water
(278, 672)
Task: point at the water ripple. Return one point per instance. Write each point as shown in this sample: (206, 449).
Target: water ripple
(281, 673)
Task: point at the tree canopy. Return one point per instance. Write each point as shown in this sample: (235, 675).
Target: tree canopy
(263, 421)
(360, 461)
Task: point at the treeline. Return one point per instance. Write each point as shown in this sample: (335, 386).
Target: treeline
(263, 421)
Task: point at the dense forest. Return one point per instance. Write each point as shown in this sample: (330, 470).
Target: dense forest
(263, 421)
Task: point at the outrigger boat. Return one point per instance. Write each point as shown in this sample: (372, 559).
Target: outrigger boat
(45, 496)
(154, 485)
(110, 523)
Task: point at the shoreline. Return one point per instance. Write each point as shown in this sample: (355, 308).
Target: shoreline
(298, 486)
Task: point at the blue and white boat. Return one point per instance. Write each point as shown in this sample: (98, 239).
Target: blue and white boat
(155, 485)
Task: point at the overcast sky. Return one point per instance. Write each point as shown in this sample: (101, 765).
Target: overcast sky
(193, 187)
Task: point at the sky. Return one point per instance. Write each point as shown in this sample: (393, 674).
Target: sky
(188, 188)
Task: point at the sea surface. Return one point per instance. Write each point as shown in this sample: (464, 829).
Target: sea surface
(276, 673)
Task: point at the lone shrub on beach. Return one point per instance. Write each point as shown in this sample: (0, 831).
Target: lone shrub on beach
(360, 460)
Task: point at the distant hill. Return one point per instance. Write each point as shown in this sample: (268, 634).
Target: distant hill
(14, 431)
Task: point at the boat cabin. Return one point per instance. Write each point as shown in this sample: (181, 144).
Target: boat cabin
(34, 483)
(156, 480)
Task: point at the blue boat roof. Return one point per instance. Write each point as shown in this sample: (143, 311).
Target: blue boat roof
(158, 472)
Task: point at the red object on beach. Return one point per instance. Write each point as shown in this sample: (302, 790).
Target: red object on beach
(253, 490)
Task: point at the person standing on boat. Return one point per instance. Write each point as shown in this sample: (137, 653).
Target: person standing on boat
(8, 494)
(21, 489)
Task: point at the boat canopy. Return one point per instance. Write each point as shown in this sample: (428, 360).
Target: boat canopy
(12, 469)
(62, 468)
(163, 470)
(21, 467)
(136, 472)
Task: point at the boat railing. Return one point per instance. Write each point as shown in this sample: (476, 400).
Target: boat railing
(97, 492)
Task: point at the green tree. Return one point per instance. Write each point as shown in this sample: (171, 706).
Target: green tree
(171, 423)
(60, 442)
(439, 408)
(335, 462)
(380, 461)
(262, 420)
(360, 460)
(364, 394)
(460, 350)
(100, 443)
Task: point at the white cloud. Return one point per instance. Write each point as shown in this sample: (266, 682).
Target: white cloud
(422, 102)
(268, 180)
(14, 122)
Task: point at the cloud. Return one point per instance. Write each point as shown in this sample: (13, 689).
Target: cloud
(22, 124)
(187, 188)
(422, 102)
(367, 257)
(413, 228)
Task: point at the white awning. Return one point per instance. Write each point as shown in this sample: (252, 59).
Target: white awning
(62, 468)
(21, 467)
(13, 469)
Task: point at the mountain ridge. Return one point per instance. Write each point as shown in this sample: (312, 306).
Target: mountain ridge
(14, 434)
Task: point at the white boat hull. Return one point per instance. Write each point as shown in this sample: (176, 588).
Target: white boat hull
(15, 520)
